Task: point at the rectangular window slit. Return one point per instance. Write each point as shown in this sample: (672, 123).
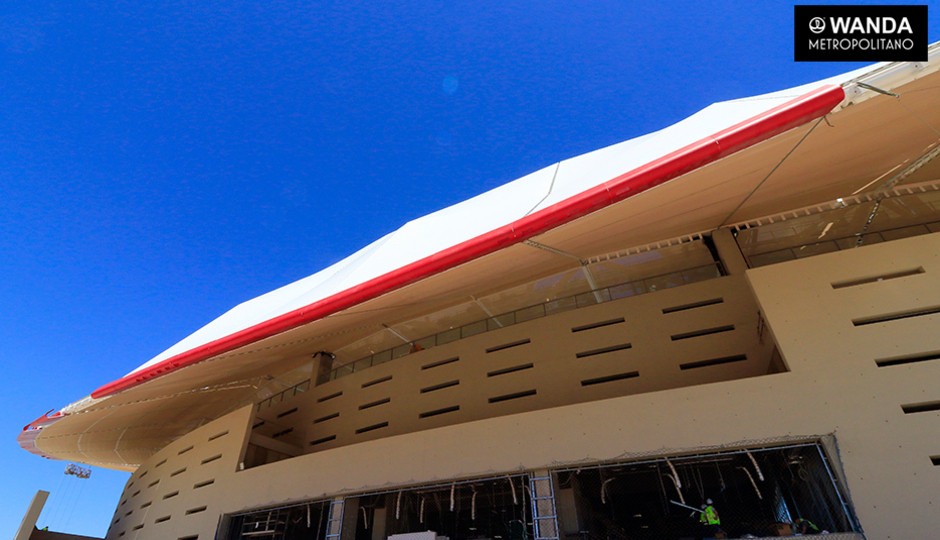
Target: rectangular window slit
(913, 359)
(440, 363)
(220, 435)
(597, 325)
(693, 305)
(875, 279)
(445, 410)
(508, 345)
(612, 348)
(325, 418)
(120, 534)
(162, 519)
(211, 459)
(196, 510)
(204, 484)
(143, 474)
(377, 381)
(329, 397)
(184, 450)
(259, 424)
(374, 404)
(516, 395)
(282, 433)
(610, 378)
(181, 471)
(935, 460)
(323, 440)
(171, 495)
(441, 386)
(146, 504)
(139, 527)
(921, 407)
(193, 537)
(136, 493)
(155, 482)
(129, 512)
(512, 369)
(896, 316)
(713, 362)
(155, 466)
(371, 428)
(705, 332)
(285, 413)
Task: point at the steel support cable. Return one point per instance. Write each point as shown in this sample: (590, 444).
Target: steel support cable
(772, 171)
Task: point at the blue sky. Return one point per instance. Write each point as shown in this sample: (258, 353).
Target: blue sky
(160, 164)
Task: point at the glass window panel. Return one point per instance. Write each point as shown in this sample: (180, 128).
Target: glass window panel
(530, 313)
(303, 387)
(773, 257)
(560, 305)
(448, 336)
(626, 289)
(934, 227)
(424, 343)
(401, 350)
(815, 249)
(702, 273)
(473, 329)
(905, 232)
(501, 321)
(362, 363)
(381, 357)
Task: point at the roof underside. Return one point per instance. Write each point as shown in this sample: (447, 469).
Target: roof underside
(814, 162)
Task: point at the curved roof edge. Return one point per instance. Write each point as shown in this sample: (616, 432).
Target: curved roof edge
(754, 130)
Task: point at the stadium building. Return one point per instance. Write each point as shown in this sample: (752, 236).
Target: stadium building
(743, 308)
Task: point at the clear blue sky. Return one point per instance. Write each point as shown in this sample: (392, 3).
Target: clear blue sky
(160, 165)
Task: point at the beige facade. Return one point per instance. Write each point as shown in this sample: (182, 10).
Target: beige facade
(854, 330)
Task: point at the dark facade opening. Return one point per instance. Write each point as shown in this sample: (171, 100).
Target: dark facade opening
(759, 492)
(300, 522)
(476, 510)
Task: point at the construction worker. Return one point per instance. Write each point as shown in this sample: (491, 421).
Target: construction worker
(805, 526)
(709, 518)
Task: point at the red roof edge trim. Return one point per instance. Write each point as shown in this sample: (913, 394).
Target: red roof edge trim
(722, 144)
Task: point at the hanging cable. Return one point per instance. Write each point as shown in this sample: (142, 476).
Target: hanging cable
(753, 483)
(675, 482)
(756, 467)
(421, 512)
(452, 487)
(675, 475)
(398, 505)
(512, 488)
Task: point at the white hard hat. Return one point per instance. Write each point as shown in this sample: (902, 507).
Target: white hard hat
(709, 501)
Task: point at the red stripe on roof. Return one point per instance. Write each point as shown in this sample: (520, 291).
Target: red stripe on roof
(724, 143)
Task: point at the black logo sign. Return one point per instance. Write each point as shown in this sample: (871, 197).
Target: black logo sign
(860, 33)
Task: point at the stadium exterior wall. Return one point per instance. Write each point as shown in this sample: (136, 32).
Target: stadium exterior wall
(824, 322)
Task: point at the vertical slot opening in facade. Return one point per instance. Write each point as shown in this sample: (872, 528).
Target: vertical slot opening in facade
(437, 412)
(912, 359)
(204, 484)
(508, 345)
(211, 459)
(184, 450)
(371, 428)
(600, 324)
(325, 418)
(603, 350)
(914, 408)
(285, 413)
(693, 305)
(910, 314)
(196, 510)
(713, 362)
(323, 440)
(703, 332)
(329, 397)
(181, 471)
(374, 404)
(516, 395)
(611, 378)
(875, 279)
(440, 386)
(219, 435)
(511, 369)
(162, 519)
(440, 363)
(376, 381)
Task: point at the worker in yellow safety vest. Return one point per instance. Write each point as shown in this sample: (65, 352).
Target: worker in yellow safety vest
(709, 518)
